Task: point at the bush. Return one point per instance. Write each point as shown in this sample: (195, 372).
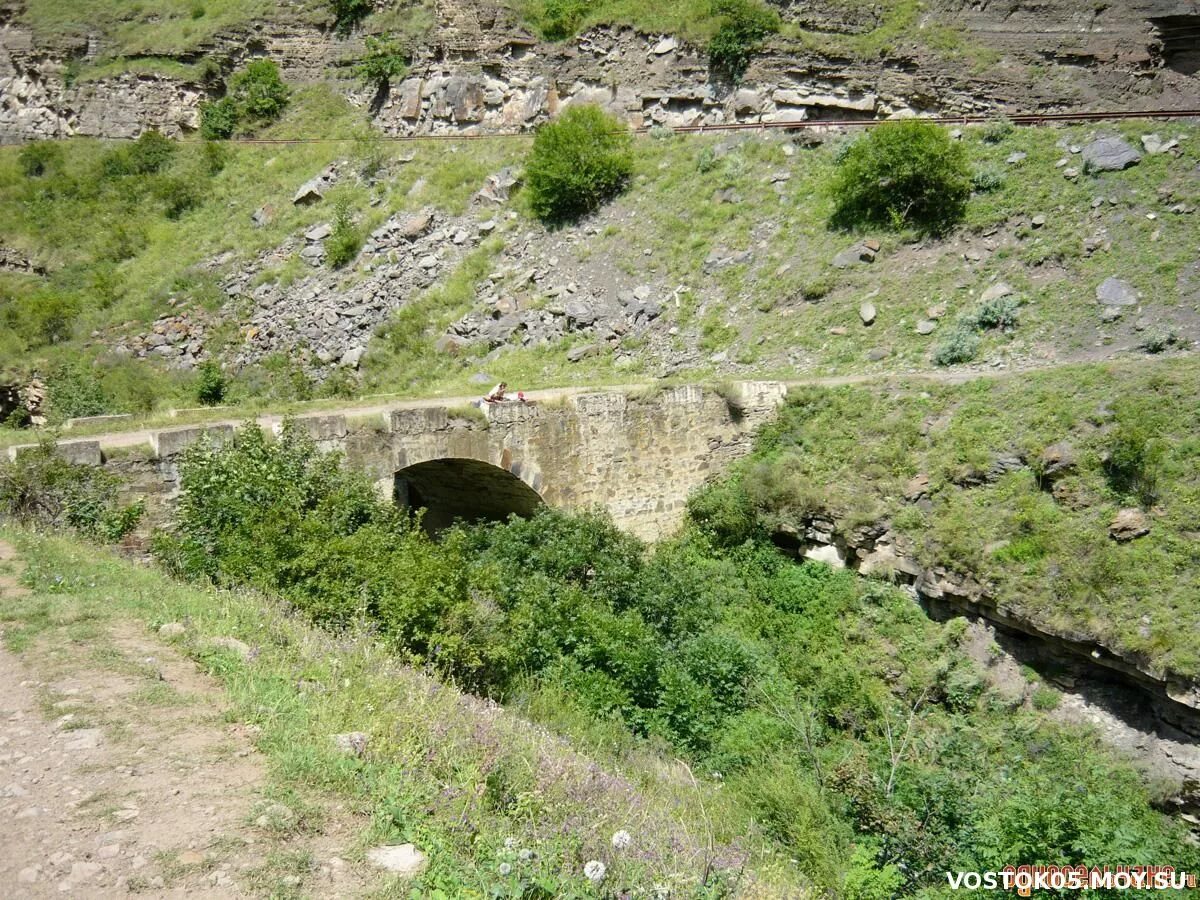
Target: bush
(1158, 340)
(40, 158)
(210, 383)
(959, 346)
(743, 25)
(218, 119)
(258, 91)
(557, 20)
(1002, 312)
(1133, 460)
(577, 163)
(178, 194)
(384, 60)
(348, 13)
(987, 180)
(42, 488)
(997, 130)
(902, 174)
(346, 240)
(150, 153)
(74, 391)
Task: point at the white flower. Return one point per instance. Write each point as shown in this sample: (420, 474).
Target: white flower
(505, 868)
(594, 870)
(621, 839)
(509, 843)
(526, 855)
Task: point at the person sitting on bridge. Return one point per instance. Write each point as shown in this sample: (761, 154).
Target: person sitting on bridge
(499, 392)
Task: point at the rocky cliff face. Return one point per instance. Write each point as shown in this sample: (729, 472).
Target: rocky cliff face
(480, 70)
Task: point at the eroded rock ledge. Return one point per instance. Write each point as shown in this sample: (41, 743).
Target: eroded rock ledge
(1169, 702)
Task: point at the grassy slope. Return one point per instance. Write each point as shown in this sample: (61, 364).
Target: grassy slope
(755, 312)
(436, 758)
(853, 450)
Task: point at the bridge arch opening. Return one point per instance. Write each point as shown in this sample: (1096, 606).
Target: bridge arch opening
(470, 490)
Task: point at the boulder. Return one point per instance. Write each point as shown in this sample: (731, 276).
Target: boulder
(1116, 292)
(926, 326)
(1153, 144)
(576, 354)
(496, 187)
(310, 192)
(580, 313)
(415, 225)
(666, 45)
(1057, 460)
(404, 860)
(1109, 154)
(1128, 525)
(352, 357)
(171, 630)
(233, 645)
(917, 487)
(826, 553)
(352, 743)
(995, 292)
(867, 312)
(318, 232)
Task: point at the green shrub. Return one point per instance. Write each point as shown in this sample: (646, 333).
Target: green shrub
(1045, 698)
(902, 174)
(345, 241)
(987, 180)
(557, 20)
(742, 26)
(74, 391)
(1158, 340)
(959, 346)
(1001, 312)
(40, 158)
(40, 487)
(218, 119)
(258, 91)
(997, 130)
(384, 60)
(210, 383)
(150, 153)
(179, 193)
(348, 13)
(577, 163)
(818, 287)
(1133, 460)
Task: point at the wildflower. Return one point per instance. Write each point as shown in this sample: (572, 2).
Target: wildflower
(526, 855)
(509, 843)
(505, 868)
(594, 870)
(621, 839)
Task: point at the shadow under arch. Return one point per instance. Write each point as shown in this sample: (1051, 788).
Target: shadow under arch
(470, 490)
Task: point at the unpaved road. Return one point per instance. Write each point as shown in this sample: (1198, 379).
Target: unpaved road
(133, 438)
(119, 775)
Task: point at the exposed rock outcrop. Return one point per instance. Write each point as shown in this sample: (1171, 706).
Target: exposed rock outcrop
(479, 69)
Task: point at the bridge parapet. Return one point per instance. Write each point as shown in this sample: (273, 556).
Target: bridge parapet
(638, 454)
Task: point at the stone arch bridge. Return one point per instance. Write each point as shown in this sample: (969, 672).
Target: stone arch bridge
(637, 454)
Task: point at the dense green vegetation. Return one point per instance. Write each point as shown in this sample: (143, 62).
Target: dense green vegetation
(854, 731)
(742, 25)
(255, 95)
(1041, 542)
(903, 174)
(578, 161)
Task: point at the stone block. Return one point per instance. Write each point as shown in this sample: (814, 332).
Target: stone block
(418, 421)
(175, 440)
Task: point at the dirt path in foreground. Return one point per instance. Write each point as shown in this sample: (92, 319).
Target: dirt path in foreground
(120, 775)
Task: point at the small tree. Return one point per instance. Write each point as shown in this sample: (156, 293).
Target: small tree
(384, 60)
(210, 383)
(258, 91)
(902, 174)
(578, 163)
(743, 25)
(40, 158)
(348, 13)
(344, 243)
(218, 119)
